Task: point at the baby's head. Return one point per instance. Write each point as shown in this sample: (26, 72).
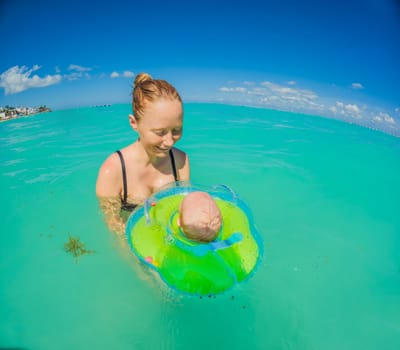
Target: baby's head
(200, 218)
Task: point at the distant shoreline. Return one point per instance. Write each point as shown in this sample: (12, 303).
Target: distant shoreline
(11, 113)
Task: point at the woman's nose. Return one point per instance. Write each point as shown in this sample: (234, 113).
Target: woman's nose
(168, 140)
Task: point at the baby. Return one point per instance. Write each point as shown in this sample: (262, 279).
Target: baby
(199, 217)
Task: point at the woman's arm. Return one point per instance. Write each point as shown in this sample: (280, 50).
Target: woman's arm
(108, 191)
(111, 208)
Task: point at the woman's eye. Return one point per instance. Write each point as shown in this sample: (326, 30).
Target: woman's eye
(160, 133)
(176, 131)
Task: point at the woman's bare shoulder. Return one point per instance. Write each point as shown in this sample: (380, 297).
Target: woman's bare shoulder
(111, 165)
(109, 178)
(180, 156)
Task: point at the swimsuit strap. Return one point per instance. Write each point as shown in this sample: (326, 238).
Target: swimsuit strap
(123, 176)
(171, 155)
(124, 200)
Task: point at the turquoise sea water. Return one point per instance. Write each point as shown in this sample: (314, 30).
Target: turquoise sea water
(325, 197)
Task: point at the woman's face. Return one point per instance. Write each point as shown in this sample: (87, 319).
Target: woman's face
(160, 126)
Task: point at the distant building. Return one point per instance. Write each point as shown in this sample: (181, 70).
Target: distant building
(8, 112)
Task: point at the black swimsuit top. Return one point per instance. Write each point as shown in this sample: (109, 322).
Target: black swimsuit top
(130, 206)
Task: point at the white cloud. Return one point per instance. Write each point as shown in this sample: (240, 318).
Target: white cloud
(269, 99)
(125, 74)
(388, 119)
(17, 79)
(348, 110)
(258, 91)
(79, 68)
(357, 86)
(128, 74)
(77, 72)
(383, 117)
(276, 96)
(333, 109)
(233, 89)
(285, 91)
(352, 109)
(75, 75)
(287, 97)
(240, 89)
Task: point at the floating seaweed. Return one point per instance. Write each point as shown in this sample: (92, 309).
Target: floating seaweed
(76, 247)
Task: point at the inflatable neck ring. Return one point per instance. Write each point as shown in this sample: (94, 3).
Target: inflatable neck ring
(192, 267)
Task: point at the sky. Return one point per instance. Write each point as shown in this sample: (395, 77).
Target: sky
(337, 59)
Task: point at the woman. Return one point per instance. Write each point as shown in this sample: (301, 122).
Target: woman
(129, 176)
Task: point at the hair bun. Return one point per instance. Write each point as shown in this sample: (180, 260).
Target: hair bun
(141, 77)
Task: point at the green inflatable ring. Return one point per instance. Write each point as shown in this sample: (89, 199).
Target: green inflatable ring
(188, 266)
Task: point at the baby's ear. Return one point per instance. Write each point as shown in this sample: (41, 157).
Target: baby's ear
(178, 221)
